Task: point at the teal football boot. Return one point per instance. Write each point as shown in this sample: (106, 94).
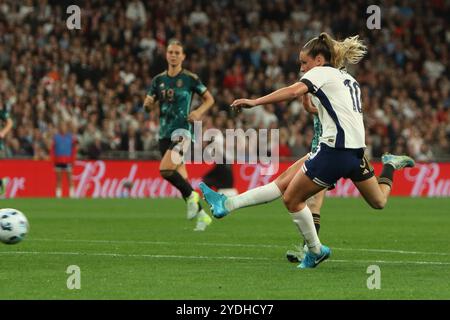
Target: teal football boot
(312, 260)
(398, 162)
(215, 200)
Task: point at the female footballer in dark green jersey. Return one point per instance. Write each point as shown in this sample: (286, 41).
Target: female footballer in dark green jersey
(173, 91)
(7, 124)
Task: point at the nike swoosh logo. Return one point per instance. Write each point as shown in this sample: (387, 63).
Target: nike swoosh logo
(320, 259)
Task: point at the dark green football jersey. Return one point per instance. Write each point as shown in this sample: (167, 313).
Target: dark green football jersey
(175, 96)
(317, 134)
(4, 115)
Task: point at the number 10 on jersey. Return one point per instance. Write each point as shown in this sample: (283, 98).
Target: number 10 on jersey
(355, 93)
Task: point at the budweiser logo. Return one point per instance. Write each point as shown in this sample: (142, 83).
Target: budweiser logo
(92, 181)
(113, 179)
(427, 181)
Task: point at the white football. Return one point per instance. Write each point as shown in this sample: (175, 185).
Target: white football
(13, 226)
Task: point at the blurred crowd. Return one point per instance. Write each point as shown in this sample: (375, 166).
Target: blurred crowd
(96, 78)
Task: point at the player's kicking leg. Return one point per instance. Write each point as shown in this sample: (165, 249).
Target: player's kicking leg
(222, 205)
(318, 252)
(376, 191)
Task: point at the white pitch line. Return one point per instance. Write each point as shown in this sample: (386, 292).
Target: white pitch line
(394, 251)
(393, 262)
(160, 256)
(108, 254)
(211, 244)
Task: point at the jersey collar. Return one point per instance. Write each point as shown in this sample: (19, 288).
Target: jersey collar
(181, 71)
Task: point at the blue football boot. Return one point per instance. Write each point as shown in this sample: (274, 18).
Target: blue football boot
(311, 260)
(398, 162)
(215, 200)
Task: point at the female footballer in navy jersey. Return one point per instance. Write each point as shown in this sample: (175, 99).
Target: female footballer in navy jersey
(341, 150)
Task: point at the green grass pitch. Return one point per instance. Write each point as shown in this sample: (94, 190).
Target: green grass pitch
(146, 249)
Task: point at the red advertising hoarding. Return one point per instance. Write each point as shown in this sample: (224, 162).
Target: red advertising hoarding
(105, 179)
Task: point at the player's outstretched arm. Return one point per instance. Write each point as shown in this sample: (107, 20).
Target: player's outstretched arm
(284, 94)
(208, 102)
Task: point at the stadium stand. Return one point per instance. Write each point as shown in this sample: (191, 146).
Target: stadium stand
(97, 77)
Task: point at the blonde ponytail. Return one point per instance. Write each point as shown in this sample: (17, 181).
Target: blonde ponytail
(348, 51)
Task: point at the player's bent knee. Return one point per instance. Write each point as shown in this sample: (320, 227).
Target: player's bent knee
(292, 204)
(378, 204)
(281, 184)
